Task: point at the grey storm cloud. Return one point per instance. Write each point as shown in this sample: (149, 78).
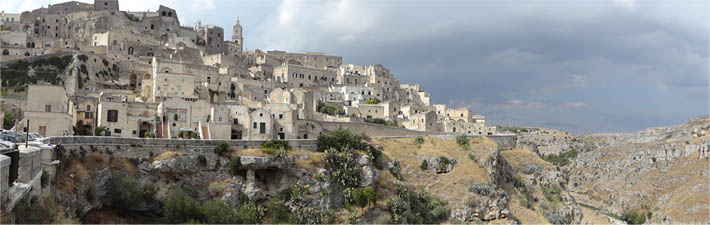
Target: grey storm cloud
(582, 66)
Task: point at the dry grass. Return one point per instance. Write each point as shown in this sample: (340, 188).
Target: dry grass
(86, 168)
(593, 217)
(452, 186)
(518, 157)
(307, 159)
(251, 152)
(168, 155)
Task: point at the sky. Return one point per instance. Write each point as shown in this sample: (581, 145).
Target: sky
(581, 66)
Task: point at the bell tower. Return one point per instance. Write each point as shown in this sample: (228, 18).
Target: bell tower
(237, 35)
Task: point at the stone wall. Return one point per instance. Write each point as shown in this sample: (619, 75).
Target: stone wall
(371, 129)
(4, 177)
(308, 144)
(504, 142)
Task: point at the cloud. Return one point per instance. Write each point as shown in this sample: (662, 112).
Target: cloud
(625, 3)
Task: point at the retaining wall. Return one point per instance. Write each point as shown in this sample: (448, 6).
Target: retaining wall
(373, 130)
(308, 144)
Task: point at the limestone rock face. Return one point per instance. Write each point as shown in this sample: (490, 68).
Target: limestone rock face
(260, 162)
(488, 203)
(439, 164)
(179, 164)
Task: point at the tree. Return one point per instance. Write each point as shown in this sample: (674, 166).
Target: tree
(222, 149)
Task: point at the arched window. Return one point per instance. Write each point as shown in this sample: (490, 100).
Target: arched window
(150, 54)
(164, 13)
(170, 14)
(130, 50)
(5, 52)
(27, 54)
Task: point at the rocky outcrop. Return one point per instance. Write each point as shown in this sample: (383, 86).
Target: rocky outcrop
(439, 164)
(488, 203)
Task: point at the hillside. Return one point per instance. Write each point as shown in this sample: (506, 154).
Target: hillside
(660, 173)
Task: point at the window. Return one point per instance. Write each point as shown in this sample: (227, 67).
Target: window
(281, 116)
(88, 115)
(262, 128)
(88, 107)
(48, 108)
(118, 131)
(254, 125)
(236, 121)
(112, 116)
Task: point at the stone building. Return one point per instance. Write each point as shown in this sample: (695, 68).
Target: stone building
(49, 110)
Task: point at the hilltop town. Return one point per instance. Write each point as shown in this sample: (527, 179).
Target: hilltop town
(90, 69)
(118, 117)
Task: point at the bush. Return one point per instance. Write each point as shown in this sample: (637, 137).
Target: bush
(216, 211)
(202, 160)
(29, 211)
(278, 213)
(222, 149)
(552, 192)
(343, 167)
(234, 164)
(370, 195)
(633, 217)
(321, 107)
(126, 192)
(396, 171)
(397, 207)
(424, 165)
(250, 213)
(561, 159)
(419, 141)
(372, 101)
(9, 120)
(462, 141)
(381, 121)
(179, 207)
(340, 139)
(274, 146)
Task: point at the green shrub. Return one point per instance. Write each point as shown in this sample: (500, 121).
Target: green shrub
(462, 141)
(278, 213)
(250, 213)
(424, 165)
(8, 120)
(552, 192)
(321, 107)
(370, 195)
(443, 163)
(561, 159)
(272, 147)
(340, 139)
(180, 207)
(222, 149)
(372, 101)
(126, 192)
(216, 211)
(419, 141)
(381, 122)
(29, 211)
(343, 167)
(396, 171)
(633, 217)
(202, 160)
(397, 208)
(234, 164)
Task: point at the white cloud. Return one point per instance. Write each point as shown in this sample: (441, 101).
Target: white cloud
(629, 4)
(579, 80)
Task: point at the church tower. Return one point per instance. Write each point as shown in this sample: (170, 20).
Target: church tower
(237, 35)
